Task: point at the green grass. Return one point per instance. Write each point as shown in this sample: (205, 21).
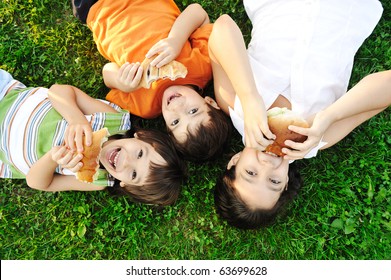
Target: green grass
(343, 211)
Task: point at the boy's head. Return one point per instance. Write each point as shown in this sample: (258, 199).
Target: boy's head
(199, 128)
(254, 188)
(146, 167)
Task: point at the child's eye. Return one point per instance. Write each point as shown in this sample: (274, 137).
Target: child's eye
(174, 122)
(275, 182)
(140, 154)
(193, 111)
(134, 175)
(251, 173)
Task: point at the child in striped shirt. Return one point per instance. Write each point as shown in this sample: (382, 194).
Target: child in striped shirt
(41, 139)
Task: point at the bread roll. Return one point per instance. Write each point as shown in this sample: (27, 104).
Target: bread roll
(279, 119)
(89, 171)
(172, 71)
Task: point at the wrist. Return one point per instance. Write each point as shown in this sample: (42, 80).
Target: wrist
(325, 118)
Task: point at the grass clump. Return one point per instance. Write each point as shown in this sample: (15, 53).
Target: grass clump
(343, 211)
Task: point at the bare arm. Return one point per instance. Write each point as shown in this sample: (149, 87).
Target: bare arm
(41, 176)
(73, 104)
(193, 17)
(233, 75)
(366, 99)
(127, 77)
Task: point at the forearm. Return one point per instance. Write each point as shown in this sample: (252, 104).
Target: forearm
(368, 98)
(373, 93)
(228, 49)
(193, 17)
(73, 104)
(41, 174)
(64, 101)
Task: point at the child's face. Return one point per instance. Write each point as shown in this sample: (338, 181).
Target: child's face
(128, 160)
(260, 177)
(184, 110)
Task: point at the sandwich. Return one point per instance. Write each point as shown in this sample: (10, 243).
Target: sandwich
(89, 171)
(279, 119)
(172, 71)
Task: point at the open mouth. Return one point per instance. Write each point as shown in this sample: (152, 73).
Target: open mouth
(270, 153)
(172, 97)
(113, 157)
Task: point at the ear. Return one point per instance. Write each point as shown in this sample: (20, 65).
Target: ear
(135, 135)
(212, 102)
(122, 184)
(233, 160)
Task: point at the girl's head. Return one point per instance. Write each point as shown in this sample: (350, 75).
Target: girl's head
(145, 165)
(254, 188)
(198, 127)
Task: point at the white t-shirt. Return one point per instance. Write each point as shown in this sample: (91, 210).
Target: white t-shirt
(304, 50)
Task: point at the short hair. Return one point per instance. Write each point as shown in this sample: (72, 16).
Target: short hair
(231, 207)
(164, 181)
(208, 141)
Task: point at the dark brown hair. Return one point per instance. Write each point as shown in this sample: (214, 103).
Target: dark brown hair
(164, 182)
(231, 207)
(208, 141)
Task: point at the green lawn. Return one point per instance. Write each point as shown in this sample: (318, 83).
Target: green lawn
(343, 211)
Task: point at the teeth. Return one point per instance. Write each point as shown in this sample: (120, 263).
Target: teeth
(113, 161)
(269, 153)
(116, 159)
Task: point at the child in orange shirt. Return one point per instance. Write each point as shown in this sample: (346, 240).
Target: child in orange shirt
(128, 31)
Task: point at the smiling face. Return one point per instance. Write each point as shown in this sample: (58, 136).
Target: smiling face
(260, 177)
(185, 110)
(128, 160)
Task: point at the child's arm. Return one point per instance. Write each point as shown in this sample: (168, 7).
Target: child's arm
(69, 100)
(366, 99)
(193, 17)
(73, 104)
(233, 75)
(42, 175)
(127, 77)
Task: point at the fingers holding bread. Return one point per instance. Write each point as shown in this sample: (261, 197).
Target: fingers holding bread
(286, 125)
(89, 170)
(172, 70)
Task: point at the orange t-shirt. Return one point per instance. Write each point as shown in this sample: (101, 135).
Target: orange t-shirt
(124, 31)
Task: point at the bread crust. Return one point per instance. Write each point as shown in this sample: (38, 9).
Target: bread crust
(89, 171)
(172, 71)
(279, 119)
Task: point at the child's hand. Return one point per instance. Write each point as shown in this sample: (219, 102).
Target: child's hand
(66, 158)
(74, 136)
(167, 49)
(314, 133)
(256, 128)
(129, 76)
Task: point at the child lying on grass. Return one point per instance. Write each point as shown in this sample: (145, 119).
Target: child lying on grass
(300, 57)
(126, 32)
(41, 134)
